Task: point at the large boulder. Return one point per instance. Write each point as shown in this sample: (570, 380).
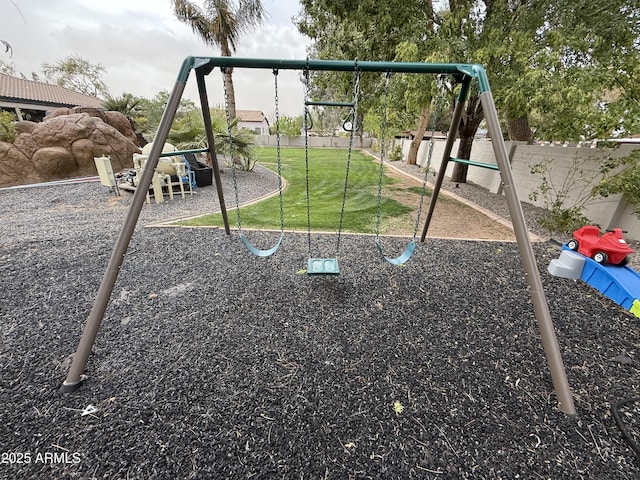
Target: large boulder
(123, 125)
(25, 126)
(116, 119)
(64, 145)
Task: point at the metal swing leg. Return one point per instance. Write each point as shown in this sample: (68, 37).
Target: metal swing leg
(323, 266)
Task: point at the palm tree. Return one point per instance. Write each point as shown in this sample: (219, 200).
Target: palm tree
(188, 132)
(126, 104)
(220, 24)
(130, 106)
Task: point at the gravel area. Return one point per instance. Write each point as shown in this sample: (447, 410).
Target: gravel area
(214, 364)
(497, 204)
(482, 197)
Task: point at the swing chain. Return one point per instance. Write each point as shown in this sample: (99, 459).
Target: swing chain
(306, 128)
(233, 163)
(275, 79)
(354, 115)
(440, 89)
(383, 130)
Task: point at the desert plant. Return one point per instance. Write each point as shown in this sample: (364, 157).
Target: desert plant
(564, 202)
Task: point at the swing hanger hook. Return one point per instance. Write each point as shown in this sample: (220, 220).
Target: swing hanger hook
(356, 85)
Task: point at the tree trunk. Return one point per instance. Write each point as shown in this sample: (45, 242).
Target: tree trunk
(412, 158)
(519, 129)
(230, 92)
(459, 174)
(468, 127)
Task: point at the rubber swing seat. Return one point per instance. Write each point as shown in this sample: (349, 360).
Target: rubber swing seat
(323, 266)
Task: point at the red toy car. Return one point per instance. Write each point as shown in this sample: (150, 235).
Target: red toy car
(608, 248)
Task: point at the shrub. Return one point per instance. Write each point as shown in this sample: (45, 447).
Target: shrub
(7, 127)
(625, 180)
(396, 154)
(564, 203)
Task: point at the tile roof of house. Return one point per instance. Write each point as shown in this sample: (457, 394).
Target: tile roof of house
(251, 115)
(16, 89)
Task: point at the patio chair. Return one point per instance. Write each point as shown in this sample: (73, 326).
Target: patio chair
(105, 172)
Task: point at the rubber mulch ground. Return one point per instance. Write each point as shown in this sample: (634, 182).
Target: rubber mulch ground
(211, 363)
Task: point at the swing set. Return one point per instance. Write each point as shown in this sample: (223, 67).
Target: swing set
(463, 74)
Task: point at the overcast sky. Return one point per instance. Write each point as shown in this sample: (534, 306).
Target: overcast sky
(141, 45)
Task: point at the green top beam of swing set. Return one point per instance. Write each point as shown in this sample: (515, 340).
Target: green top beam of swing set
(207, 64)
(183, 152)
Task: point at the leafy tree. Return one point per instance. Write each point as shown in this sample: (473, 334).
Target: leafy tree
(559, 68)
(622, 175)
(367, 30)
(76, 73)
(221, 24)
(289, 126)
(150, 111)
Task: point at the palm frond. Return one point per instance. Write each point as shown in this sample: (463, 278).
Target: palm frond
(251, 13)
(7, 47)
(192, 15)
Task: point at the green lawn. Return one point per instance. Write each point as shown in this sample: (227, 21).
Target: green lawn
(326, 184)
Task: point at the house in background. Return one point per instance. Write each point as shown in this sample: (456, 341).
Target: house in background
(253, 120)
(31, 100)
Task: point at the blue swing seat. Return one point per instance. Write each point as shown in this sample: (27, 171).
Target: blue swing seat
(323, 266)
(258, 252)
(404, 256)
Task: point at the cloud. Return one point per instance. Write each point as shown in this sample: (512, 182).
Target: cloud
(142, 45)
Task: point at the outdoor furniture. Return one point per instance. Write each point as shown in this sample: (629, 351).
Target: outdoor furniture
(182, 174)
(139, 163)
(203, 173)
(163, 176)
(105, 172)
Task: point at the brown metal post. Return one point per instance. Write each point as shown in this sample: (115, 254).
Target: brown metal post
(451, 138)
(543, 316)
(206, 116)
(512, 151)
(81, 356)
